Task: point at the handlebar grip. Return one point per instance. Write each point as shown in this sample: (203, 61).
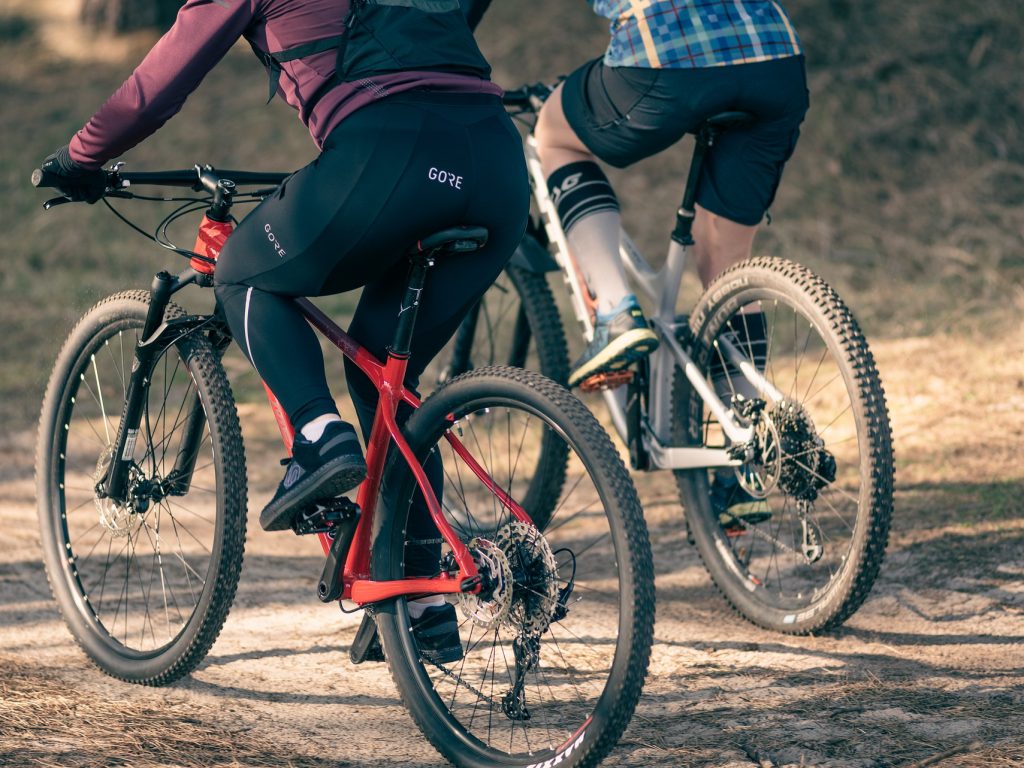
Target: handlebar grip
(41, 178)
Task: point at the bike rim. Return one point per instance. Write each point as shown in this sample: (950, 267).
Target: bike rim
(577, 658)
(139, 571)
(788, 544)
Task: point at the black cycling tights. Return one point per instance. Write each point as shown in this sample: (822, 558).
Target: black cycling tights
(391, 173)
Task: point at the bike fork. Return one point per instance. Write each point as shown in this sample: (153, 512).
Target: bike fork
(116, 481)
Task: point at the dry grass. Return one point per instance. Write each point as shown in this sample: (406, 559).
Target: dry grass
(45, 723)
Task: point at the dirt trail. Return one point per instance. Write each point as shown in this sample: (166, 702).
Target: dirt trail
(932, 665)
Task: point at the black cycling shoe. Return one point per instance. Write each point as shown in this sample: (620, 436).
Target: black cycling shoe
(436, 632)
(331, 466)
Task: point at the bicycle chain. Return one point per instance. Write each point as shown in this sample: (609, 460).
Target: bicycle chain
(493, 705)
(758, 533)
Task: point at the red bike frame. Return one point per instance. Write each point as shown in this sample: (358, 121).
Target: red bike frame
(389, 378)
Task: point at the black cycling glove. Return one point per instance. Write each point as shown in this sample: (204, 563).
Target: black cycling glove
(76, 183)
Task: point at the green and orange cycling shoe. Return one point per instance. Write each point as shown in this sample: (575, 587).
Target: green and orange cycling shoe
(621, 337)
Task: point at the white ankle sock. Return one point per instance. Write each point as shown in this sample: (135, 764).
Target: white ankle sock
(314, 430)
(419, 606)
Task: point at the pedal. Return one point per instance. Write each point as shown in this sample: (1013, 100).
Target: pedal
(324, 517)
(366, 645)
(341, 528)
(609, 380)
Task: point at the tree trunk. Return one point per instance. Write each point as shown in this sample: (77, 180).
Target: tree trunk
(127, 15)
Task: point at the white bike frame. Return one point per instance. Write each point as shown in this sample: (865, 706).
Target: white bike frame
(662, 288)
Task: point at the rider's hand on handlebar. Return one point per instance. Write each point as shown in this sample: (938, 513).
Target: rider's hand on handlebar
(76, 183)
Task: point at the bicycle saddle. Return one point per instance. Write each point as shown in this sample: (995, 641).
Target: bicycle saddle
(725, 120)
(452, 240)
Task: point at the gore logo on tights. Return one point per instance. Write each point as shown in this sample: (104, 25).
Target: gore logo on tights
(453, 180)
(274, 241)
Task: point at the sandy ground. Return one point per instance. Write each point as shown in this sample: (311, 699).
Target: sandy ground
(929, 672)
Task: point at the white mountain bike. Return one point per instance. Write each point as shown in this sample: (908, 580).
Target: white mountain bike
(801, 428)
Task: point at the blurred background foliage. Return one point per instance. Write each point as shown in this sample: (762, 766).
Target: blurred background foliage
(905, 192)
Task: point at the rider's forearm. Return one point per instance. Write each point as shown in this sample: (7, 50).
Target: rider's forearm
(157, 89)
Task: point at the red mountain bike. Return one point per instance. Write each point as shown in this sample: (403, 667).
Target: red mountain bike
(142, 505)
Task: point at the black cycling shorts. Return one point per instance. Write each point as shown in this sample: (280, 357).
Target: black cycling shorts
(624, 114)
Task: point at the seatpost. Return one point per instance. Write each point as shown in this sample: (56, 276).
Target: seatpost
(410, 304)
(682, 233)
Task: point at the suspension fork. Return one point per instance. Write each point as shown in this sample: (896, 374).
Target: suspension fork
(164, 286)
(463, 346)
(520, 339)
(180, 476)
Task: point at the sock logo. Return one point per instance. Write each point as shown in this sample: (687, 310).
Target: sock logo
(568, 183)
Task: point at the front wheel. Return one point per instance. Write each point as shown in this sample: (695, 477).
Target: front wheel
(795, 535)
(144, 585)
(550, 658)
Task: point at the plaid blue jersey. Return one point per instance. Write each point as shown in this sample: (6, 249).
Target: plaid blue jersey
(683, 34)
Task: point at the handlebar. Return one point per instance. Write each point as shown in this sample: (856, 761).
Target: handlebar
(197, 178)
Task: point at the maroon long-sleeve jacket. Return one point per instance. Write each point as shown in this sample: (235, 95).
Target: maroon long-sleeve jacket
(203, 33)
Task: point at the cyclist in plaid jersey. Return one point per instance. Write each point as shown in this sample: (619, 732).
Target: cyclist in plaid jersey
(702, 33)
(669, 65)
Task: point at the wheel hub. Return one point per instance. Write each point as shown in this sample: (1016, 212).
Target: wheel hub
(115, 517)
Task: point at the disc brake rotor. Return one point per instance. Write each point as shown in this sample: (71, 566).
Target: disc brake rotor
(761, 476)
(116, 518)
(489, 608)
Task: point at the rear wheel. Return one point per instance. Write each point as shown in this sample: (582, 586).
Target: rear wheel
(555, 650)
(144, 586)
(795, 536)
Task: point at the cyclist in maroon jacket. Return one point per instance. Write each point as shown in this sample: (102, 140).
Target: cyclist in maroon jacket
(393, 114)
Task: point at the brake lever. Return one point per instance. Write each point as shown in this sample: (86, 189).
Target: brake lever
(55, 202)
